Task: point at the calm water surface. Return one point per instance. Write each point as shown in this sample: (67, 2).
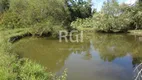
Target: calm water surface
(99, 57)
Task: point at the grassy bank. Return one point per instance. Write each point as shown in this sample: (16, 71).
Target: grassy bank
(14, 68)
(135, 32)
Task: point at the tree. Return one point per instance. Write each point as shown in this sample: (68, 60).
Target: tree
(111, 7)
(112, 18)
(79, 9)
(136, 15)
(29, 12)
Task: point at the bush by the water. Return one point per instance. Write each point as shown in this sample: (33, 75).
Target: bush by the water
(82, 23)
(105, 23)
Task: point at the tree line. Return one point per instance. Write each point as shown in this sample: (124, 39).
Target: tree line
(44, 16)
(114, 17)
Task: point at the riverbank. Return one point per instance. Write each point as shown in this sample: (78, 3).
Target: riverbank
(13, 67)
(17, 34)
(135, 32)
(13, 35)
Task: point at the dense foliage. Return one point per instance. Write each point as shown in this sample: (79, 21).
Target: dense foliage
(4, 5)
(136, 15)
(114, 17)
(36, 14)
(79, 24)
(80, 9)
(42, 15)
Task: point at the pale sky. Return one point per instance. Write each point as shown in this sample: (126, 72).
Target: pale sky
(98, 3)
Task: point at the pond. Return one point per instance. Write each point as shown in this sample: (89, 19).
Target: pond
(99, 57)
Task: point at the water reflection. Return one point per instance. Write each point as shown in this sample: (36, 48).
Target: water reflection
(100, 57)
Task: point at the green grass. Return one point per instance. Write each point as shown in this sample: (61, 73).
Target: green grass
(15, 32)
(14, 68)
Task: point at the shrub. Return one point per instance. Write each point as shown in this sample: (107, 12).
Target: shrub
(82, 23)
